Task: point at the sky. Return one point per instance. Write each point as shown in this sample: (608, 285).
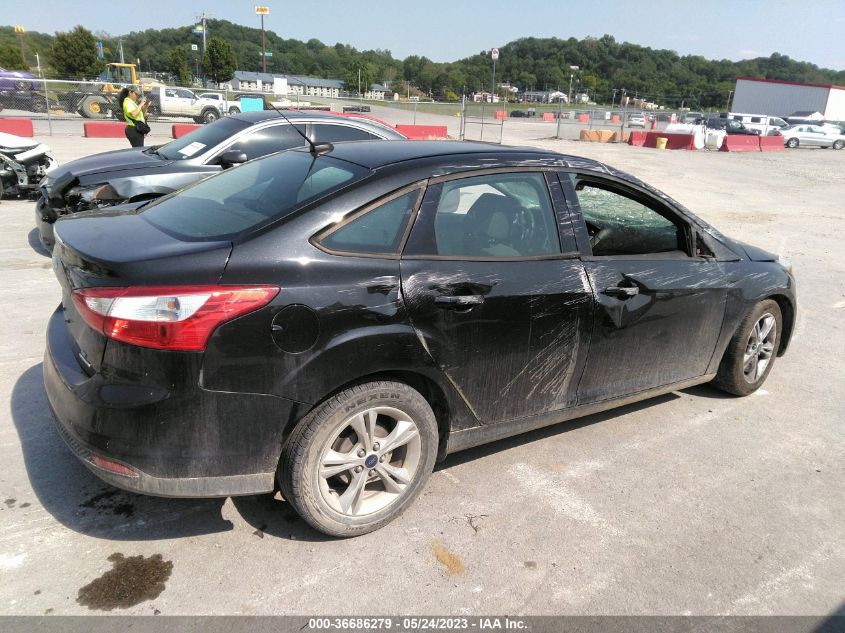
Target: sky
(447, 30)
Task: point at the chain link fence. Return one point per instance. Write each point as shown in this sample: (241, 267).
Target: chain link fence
(62, 99)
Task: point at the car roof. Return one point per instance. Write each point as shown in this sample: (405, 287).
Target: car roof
(259, 116)
(376, 154)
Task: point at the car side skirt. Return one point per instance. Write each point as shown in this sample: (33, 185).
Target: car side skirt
(476, 436)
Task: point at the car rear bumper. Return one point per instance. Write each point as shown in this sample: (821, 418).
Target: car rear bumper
(140, 438)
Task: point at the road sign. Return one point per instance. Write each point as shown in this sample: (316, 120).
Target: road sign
(19, 29)
(494, 54)
(194, 47)
(262, 10)
(267, 54)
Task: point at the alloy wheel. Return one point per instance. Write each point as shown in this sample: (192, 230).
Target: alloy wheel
(759, 348)
(370, 461)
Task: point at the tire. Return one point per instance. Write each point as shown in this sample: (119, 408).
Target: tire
(792, 143)
(838, 144)
(209, 115)
(234, 110)
(94, 108)
(749, 358)
(333, 503)
(153, 112)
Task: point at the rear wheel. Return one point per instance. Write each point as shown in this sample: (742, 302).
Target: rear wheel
(209, 115)
(752, 351)
(358, 460)
(153, 112)
(792, 143)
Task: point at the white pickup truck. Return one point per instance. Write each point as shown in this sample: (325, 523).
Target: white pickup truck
(223, 105)
(181, 102)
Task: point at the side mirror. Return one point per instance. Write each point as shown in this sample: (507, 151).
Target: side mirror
(232, 157)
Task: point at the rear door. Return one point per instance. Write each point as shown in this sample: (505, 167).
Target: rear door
(497, 294)
(660, 300)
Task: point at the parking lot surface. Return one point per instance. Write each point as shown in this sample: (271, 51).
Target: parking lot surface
(691, 503)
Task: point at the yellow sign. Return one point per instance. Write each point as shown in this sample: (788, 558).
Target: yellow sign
(19, 29)
(262, 10)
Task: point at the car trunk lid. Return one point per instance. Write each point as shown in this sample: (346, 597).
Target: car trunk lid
(122, 249)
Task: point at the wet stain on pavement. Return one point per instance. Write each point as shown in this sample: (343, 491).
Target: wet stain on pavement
(130, 581)
(451, 561)
(112, 501)
(530, 564)
(10, 502)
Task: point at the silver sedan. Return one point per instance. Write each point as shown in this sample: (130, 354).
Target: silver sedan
(812, 136)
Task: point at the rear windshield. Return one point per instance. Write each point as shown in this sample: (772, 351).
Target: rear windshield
(202, 139)
(248, 197)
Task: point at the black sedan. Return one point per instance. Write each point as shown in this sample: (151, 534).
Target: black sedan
(135, 174)
(332, 322)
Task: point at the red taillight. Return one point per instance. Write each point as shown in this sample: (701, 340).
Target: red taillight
(179, 318)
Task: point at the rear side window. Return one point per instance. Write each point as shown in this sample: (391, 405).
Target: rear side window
(327, 133)
(377, 231)
(248, 197)
(270, 139)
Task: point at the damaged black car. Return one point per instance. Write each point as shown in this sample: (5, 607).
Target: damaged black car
(331, 322)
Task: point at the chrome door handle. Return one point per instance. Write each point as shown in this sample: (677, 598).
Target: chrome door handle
(622, 291)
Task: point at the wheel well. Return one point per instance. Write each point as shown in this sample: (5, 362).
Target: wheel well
(429, 390)
(787, 310)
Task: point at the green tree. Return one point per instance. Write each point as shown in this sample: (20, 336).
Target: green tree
(10, 58)
(350, 78)
(219, 61)
(75, 54)
(177, 64)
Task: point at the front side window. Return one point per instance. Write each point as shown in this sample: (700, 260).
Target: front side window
(201, 140)
(620, 224)
(496, 215)
(377, 231)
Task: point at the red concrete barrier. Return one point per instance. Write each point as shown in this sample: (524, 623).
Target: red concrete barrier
(674, 141)
(178, 130)
(501, 115)
(742, 143)
(637, 139)
(423, 132)
(583, 118)
(103, 129)
(771, 144)
(548, 116)
(17, 126)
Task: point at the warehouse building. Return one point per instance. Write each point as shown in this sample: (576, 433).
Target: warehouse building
(783, 98)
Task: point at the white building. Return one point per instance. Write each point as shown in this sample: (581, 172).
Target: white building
(782, 98)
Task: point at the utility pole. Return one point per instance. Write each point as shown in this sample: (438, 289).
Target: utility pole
(20, 31)
(121, 50)
(262, 11)
(728, 105)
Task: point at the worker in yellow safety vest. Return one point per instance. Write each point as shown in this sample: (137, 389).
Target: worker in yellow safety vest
(134, 111)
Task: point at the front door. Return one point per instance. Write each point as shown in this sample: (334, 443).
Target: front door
(659, 308)
(501, 306)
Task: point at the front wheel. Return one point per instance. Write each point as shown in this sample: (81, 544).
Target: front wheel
(234, 110)
(358, 460)
(838, 144)
(752, 351)
(153, 112)
(792, 143)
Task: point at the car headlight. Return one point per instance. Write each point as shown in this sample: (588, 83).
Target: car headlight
(785, 264)
(93, 195)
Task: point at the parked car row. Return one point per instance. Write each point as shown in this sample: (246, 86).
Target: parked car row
(332, 320)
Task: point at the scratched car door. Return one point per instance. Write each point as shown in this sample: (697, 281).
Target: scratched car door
(659, 307)
(497, 294)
